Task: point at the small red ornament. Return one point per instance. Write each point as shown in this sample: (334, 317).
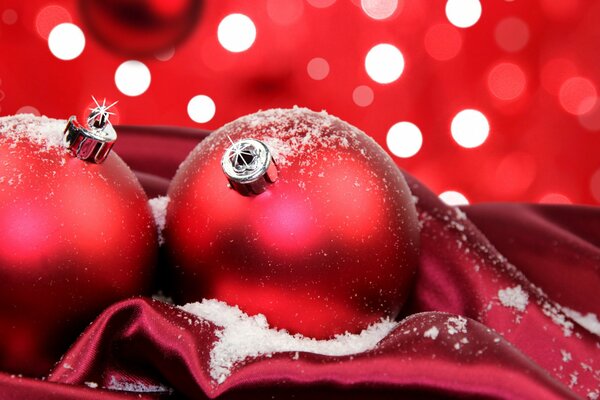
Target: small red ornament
(140, 27)
(296, 215)
(75, 236)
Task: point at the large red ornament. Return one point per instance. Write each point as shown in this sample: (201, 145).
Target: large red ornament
(140, 27)
(328, 245)
(74, 238)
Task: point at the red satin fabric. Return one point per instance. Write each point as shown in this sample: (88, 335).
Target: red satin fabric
(553, 252)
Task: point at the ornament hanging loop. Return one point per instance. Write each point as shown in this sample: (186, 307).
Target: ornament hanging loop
(249, 166)
(93, 142)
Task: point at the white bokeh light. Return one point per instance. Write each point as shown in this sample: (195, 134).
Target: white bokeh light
(470, 128)
(384, 63)
(236, 33)
(379, 9)
(463, 13)
(132, 78)
(453, 198)
(201, 108)
(404, 139)
(66, 41)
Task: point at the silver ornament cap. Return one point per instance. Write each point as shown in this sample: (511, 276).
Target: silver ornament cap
(94, 141)
(249, 166)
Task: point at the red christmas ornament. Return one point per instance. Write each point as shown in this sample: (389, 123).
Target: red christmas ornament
(75, 236)
(140, 27)
(296, 215)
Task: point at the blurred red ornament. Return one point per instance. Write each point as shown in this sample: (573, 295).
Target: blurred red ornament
(74, 238)
(140, 27)
(330, 243)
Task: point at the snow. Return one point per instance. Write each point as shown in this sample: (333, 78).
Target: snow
(128, 386)
(295, 135)
(554, 312)
(158, 205)
(44, 131)
(514, 297)
(589, 321)
(456, 325)
(432, 333)
(242, 337)
(566, 356)
(92, 385)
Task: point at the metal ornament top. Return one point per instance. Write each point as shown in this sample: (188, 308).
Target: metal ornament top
(249, 166)
(94, 141)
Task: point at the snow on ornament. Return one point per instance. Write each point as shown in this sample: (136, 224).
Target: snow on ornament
(295, 215)
(75, 235)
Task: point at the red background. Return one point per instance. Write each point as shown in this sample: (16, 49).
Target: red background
(535, 146)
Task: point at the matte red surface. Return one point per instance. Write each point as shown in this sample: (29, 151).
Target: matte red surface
(335, 238)
(74, 238)
(509, 354)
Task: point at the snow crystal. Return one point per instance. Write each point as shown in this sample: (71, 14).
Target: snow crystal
(432, 333)
(514, 297)
(456, 325)
(574, 377)
(460, 214)
(158, 205)
(138, 387)
(44, 131)
(589, 321)
(92, 385)
(244, 336)
(160, 296)
(559, 318)
(593, 395)
(566, 356)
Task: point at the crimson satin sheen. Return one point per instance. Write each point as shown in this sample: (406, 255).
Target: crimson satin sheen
(147, 342)
(335, 238)
(74, 238)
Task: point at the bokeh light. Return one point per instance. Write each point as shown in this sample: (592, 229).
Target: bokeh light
(591, 119)
(463, 13)
(555, 198)
(379, 9)
(9, 16)
(28, 110)
(236, 33)
(165, 55)
(384, 63)
(404, 139)
(578, 95)
(511, 34)
(363, 96)
(285, 12)
(442, 42)
(321, 3)
(201, 108)
(506, 81)
(514, 174)
(470, 128)
(49, 17)
(66, 41)
(317, 68)
(453, 198)
(132, 78)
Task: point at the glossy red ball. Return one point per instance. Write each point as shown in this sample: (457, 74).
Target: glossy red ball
(140, 27)
(74, 238)
(330, 247)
